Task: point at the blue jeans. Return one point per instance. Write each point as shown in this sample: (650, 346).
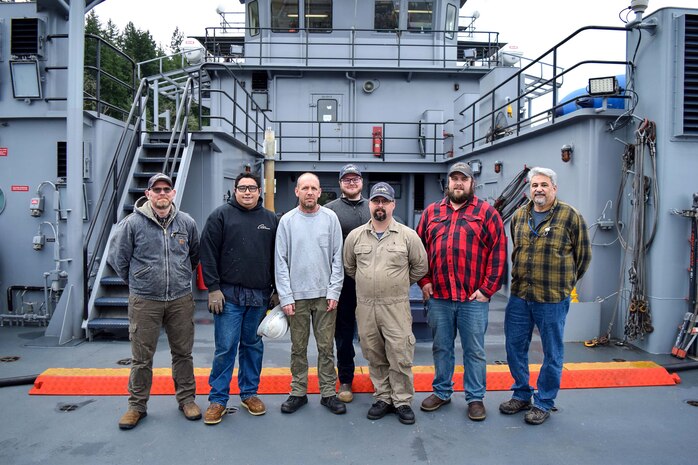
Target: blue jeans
(519, 319)
(470, 320)
(236, 325)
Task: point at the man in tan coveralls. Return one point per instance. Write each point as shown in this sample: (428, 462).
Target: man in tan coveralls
(385, 258)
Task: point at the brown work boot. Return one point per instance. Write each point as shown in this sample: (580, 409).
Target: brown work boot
(514, 405)
(214, 414)
(131, 418)
(433, 402)
(254, 405)
(345, 394)
(191, 411)
(476, 411)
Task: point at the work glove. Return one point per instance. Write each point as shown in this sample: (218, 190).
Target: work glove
(215, 301)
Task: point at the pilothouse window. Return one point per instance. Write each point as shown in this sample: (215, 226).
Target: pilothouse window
(284, 15)
(318, 15)
(450, 21)
(419, 16)
(253, 17)
(386, 15)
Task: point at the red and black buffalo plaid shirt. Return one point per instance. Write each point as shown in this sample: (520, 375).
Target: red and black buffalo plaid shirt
(467, 249)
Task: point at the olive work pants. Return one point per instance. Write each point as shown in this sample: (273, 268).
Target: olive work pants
(146, 317)
(313, 311)
(387, 342)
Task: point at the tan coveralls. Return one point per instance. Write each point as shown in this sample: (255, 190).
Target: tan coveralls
(384, 270)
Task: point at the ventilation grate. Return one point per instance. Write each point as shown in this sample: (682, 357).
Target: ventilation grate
(25, 37)
(690, 77)
(61, 160)
(259, 81)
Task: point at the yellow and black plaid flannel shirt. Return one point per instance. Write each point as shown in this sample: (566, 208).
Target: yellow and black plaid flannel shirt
(547, 261)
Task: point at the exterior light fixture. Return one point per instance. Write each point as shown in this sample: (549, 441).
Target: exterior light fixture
(498, 167)
(26, 81)
(566, 152)
(603, 86)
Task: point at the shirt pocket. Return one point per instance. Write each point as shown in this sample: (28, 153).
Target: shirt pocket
(363, 255)
(473, 228)
(397, 255)
(437, 227)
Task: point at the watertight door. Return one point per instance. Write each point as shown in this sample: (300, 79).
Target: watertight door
(327, 137)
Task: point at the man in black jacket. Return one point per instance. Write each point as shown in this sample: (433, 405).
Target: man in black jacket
(237, 257)
(352, 210)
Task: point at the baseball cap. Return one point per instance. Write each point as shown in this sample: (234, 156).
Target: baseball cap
(382, 189)
(349, 169)
(462, 168)
(159, 177)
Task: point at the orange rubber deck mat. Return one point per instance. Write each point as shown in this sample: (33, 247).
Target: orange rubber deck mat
(114, 381)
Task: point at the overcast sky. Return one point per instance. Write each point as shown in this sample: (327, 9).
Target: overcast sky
(534, 26)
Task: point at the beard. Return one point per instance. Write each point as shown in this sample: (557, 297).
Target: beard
(465, 197)
(379, 214)
(162, 204)
(309, 204)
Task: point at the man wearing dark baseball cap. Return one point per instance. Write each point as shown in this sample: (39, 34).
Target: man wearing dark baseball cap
(385, 258)
(465, 241)
(352, 210)
(155, 250)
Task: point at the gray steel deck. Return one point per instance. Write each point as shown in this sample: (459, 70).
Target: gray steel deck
(613, 426)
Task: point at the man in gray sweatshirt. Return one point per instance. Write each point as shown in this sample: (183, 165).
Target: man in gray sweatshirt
(309, 275)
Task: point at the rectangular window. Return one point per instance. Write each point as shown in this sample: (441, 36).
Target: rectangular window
(451, 18)
(326, 110)
(253, 17)
(386, 15)
(419, 16)
(284, 15)
(318, 15)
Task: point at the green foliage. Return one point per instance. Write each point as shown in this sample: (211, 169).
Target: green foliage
(110, 78)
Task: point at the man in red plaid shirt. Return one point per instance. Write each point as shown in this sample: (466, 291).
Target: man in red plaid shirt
(465, 241)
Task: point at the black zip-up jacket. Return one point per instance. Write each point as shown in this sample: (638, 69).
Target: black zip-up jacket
(237, 247)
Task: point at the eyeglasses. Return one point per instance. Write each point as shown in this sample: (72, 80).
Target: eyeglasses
(161, 190)
(247, 188)
(381, 201)
(351, 180)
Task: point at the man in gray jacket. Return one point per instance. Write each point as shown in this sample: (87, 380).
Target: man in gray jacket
(309, 275)
(154, 250)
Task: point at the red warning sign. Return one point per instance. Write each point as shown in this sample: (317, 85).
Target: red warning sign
(3, 151)
(20, 188)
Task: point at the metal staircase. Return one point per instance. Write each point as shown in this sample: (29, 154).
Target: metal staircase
(167, 152)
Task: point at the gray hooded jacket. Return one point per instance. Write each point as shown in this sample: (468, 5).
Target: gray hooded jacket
(155, 261)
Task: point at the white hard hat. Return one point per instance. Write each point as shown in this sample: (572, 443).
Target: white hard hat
(274, 325)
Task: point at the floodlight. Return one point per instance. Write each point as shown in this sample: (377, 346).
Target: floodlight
(26, 82)
(603, 86)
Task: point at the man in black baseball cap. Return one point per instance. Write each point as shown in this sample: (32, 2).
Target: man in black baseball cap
(352, 210)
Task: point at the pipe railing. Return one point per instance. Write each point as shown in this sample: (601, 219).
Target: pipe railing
(471, 111)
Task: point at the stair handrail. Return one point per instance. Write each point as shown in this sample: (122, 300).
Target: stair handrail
(180, 126)
(118, 179)
(472, 107)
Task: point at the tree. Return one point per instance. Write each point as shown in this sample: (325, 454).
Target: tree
(176, 41)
